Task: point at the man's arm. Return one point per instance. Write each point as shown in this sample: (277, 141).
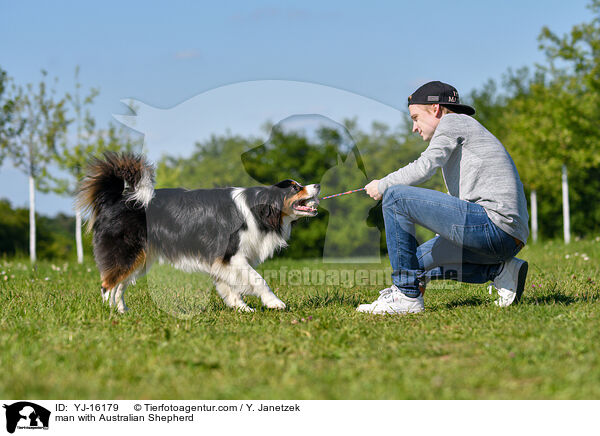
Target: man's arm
(441, 147)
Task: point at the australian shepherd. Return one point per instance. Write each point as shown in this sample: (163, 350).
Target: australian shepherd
(223, 232)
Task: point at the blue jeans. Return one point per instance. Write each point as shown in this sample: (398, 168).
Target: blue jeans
(470, 247)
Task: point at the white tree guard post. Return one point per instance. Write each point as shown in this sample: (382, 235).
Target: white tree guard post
(78, 236)
(32, 255)
(565, 199)
(534, 216)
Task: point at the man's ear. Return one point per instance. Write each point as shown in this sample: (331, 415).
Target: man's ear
(437, 110)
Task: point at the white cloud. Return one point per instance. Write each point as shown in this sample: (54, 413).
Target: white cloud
(187, 54)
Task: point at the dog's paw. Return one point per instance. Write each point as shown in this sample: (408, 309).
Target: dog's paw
(244, 308)
(275, 304)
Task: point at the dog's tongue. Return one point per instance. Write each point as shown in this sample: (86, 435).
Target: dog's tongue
(305, 208)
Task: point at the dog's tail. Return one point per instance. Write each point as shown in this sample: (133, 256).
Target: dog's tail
(114, 178)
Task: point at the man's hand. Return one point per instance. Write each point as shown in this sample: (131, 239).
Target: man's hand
(373, 191)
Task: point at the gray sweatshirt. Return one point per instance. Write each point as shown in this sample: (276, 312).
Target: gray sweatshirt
(476, 168)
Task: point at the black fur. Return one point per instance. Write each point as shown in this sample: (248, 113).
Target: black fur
(266, 205)
(119, 235)
(202, 223)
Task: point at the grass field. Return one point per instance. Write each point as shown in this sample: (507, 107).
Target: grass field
(58, 341)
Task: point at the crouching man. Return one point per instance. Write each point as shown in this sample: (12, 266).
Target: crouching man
(482, 224)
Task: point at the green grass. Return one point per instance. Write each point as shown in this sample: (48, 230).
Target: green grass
(59, 341)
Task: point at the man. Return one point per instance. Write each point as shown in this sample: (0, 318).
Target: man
(481, 225)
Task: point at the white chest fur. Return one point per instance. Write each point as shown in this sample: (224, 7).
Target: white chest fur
(256, 245)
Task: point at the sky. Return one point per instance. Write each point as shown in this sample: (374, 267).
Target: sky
(165, 54)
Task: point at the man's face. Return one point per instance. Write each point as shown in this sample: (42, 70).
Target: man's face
(425, 119)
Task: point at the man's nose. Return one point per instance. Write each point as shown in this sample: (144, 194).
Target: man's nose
(414, 127)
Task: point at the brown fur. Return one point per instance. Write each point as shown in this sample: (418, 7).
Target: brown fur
(118, 273)
(123, 166)
(287, 204)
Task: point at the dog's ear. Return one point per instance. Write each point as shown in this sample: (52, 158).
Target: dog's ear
(269, 215)
(266, 205)
(287, 183)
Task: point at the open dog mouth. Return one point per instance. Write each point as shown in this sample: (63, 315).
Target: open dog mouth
(307, 206)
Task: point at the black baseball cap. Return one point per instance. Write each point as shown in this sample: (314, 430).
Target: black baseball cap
(440, 93)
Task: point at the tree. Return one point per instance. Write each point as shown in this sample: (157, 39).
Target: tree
(72, 156)
(75, 158)
(38, 121)
(214, 163)
(4, 114)
(547, 117)
(553, 121)
(6, 111)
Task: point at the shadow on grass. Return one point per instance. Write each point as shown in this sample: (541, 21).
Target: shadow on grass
(331, 299)
(554, 295)
(464, 302)
(197, 364)
(549, 299)
(562, 298)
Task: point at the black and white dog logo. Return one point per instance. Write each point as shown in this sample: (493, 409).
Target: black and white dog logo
(26, 415)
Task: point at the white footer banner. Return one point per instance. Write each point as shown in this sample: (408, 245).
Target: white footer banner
(289, 417)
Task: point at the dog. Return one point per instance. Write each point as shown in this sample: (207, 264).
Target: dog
(223, 231)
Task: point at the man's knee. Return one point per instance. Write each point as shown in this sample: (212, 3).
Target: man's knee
(393, 193)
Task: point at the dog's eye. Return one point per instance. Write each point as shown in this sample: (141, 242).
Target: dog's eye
(296, 187)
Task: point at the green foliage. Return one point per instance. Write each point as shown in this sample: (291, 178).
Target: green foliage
(291, 154)
(89, 140)
(214, 163)
(6, 110)
(549, 118)
(349, 233)
(39, 122)
(14, 228)
(54, 235)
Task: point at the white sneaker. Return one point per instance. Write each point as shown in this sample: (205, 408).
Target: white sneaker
(382, 294)
(392, 300)
(510, 282)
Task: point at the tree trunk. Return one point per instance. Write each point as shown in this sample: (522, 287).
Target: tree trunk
(78, 236)
(534, 215)
(565, 197)
(32, 255)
